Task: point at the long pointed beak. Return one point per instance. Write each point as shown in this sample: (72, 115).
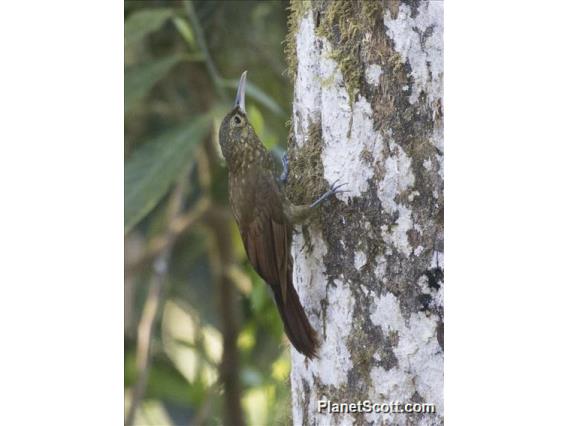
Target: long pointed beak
(240, 100)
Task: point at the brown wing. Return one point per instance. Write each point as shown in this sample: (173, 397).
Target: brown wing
(267, 236)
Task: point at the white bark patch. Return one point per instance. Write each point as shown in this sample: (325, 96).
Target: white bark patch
(398, 178)
(437, 260)
(420, 41)
(309, 273)
(373, 74)
(419, 356)
(397, 235)
(349, 135)
(347, 132)
(440, 159)
(344, 420)
(307, 88)
(310, 284)
(334, 357)
(381, 268)
(360, 259)
(438, 139)
(389, 386)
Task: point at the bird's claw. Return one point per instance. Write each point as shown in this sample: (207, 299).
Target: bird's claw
(332, 191)
(335, 187)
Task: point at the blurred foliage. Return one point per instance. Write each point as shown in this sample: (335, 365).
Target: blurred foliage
(182, 64)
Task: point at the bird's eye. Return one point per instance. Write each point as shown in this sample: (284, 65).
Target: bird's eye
(237, 120)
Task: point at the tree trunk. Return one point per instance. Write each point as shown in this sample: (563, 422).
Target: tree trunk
(369, 267)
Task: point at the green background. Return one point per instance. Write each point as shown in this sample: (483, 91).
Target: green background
(182, 64)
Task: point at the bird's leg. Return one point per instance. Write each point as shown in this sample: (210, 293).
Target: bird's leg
(298, 214)
(284, 175)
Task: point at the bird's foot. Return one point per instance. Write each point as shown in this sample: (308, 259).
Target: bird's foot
(332, 191)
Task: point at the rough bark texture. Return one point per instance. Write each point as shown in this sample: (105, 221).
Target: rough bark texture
(369, 268)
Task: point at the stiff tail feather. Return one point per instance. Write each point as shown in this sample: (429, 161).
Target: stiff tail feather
(296, 324)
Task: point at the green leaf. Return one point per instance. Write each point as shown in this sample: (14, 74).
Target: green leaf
(143, 22)
(139, 79)
(185, 31)
(152, 169)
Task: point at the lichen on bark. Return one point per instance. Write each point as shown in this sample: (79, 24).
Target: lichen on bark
(369, 270)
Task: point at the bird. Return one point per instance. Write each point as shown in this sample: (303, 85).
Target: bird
(266, 218)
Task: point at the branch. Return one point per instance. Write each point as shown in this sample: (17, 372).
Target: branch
(202, 44)
(176, 227)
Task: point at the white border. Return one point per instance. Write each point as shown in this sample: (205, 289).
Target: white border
(61, 216)
(506, 211)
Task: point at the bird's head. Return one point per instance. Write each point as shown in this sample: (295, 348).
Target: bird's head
(235, 131)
